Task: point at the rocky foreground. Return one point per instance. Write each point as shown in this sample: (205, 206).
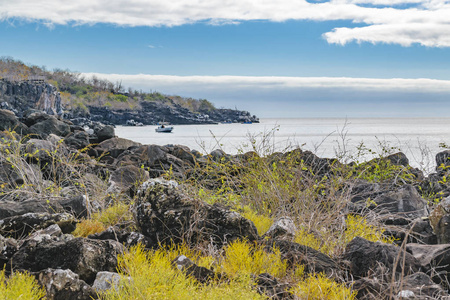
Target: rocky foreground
(42, 202)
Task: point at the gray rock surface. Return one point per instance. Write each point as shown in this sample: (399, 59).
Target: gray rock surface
(83, 256)
(164, 214)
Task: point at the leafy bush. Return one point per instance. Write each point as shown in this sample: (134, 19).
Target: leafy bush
(19, 286)
(99, 221)
(150, 275)
(87, 227)
(334, 242)
(242, 258)
(319, 287)
(262, 222)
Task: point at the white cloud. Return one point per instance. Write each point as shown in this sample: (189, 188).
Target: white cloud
(404, 22)
(303, 96)
(167, 82)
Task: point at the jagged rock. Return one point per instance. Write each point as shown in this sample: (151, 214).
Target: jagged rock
(8, 247)
(18, 226)
(106, 280)
(85, 257)
(415, 231)
(115, 146)
(370, 289)
(103, 132)
(440, 221)
(422, 232)
(77, 140)
(157, 159)
(126, 238)
(314, 261)
(283, 227)
(435, 258)
(442, 158)
(164, 214)
(318, 165)
(25, 95)
(15, 208)
(188, 267)
(181, 152)
(40, 150)
(64, 285)
(442, 229)
(421, 285)
(8, 121)
(218, 154)
(33, 116)
(365, 256)
(129, 178)
(50, 126)
(268, 285)
(404, 201)
(14, 176)
(78, 206)
(398, 159)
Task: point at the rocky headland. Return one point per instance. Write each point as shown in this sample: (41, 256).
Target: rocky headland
(74, 200)
(110, 107)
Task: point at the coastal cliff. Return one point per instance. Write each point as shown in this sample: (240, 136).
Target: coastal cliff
(73, 97)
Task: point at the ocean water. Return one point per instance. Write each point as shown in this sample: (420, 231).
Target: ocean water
(418, 138)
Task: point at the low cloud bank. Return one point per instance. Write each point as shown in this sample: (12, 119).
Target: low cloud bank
(303, 96)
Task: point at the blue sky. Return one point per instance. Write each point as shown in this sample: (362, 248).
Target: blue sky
(286, 58)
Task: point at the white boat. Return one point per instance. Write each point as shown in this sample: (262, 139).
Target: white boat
(164, 128)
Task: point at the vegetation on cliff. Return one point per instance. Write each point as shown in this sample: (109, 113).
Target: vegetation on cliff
(80, 95)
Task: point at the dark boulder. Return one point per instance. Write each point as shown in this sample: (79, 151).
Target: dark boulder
(181, 152)
(21, 226)
(403, 201)
(15, 208)
(50, 126)
(14, 177)
(40, 151)
(284, 227)
(124, 237)
(365, 256)
(8, 247)
(128, 178)
(442, 229)
(370, 289)
(77, 140)
(398, 159)
(422, 286)
(115, 146)
(313, 260)
(442, 159)
(85, 257)
(268, 285)
(8, 121)
(77, 205)
(103, 132)
(164, 214)
(64, 285)
(189, 268)
(433, 258)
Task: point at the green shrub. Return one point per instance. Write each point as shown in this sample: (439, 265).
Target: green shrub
(319, 287)
(19, 286)
(154, 277)
(242, 258)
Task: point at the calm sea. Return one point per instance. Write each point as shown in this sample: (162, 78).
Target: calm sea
(418, 138)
